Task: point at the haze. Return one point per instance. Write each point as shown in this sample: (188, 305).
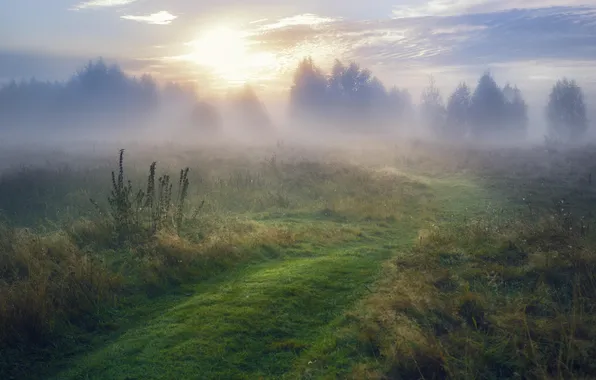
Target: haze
(220, 47)
(315, 189)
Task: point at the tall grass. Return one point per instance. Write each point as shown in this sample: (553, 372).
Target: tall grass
(515, 300)
(47, 283)
(497, 294)
(153, 233)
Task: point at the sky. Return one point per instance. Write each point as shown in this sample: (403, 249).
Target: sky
(224, 43)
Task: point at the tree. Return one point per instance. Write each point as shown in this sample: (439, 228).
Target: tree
(335, 87)
(487, 112)
(566, 111)
(401, 107)
(458, 112)
(516, 111)
(249, 111)
(308, 95)
(206, 118)
(432, 109)
(350, 96)
(352, 92)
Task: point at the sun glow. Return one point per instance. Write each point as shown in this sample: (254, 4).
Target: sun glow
(233, 56)
(261, 52)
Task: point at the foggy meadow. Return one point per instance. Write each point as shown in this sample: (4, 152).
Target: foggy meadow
(152, 231)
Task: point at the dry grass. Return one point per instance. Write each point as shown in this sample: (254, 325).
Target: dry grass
(486, 300)
(47, 282)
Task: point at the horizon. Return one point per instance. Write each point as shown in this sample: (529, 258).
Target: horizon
(216, 48)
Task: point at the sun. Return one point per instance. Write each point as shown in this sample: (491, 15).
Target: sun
(232, 55)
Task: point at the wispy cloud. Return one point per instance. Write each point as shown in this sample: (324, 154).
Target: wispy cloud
(536, 42)
(306, 19)
(101, 4)
(459, 7)
(547, 33)
(159, 18)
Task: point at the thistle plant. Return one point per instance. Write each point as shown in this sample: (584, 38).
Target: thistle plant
(182, 194)
(146, 210)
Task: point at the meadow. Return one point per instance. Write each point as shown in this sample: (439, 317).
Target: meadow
(356, 261)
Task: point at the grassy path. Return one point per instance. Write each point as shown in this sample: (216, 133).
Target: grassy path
(252, 323)
(266, 319)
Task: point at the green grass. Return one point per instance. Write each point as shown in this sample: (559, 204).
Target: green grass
(264, 319)
(398, 264)
(252, 323)
(501, 291)
(332, 224)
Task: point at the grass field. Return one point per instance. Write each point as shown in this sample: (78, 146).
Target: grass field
(285, 262)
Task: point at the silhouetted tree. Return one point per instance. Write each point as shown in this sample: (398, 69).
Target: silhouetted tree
(516, 111)
(349, 96)
(308, 96)
(566, 111)
(335, 90)
(458, 112)
(28, 103)
(250, 112)
(353, 92)
(206, 118)
(107, 93)
(399, 109)
(432, 109)
(487, 109)
(178, 94)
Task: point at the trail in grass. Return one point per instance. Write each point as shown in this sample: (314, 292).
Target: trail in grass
(257, 321)
(253, 323)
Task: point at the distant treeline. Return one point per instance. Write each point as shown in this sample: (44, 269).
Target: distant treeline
(349, 98)
(97, 94)
(105, 97)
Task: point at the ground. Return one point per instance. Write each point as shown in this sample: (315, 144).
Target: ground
(376, 262)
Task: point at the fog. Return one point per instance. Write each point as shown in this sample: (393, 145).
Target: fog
(101, 105)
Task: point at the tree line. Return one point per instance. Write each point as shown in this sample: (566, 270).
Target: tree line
(96, 94)
(103, 97)
(348, 98)
(487, 113)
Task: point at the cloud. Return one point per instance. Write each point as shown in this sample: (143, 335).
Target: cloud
(459, 7)
(537, 42)
(101, 4)
(505, 36)
(306, 19)
(159, 18)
